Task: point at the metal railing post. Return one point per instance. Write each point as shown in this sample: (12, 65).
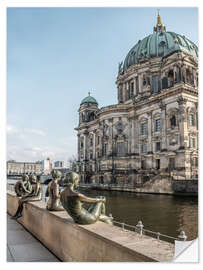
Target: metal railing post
(140, 227)
(182, 236)
(111, 217)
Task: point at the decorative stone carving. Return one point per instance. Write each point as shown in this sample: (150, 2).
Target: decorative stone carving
(181, 100)
(119, 127)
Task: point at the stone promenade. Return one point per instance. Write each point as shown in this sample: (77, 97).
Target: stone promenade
(23, 247)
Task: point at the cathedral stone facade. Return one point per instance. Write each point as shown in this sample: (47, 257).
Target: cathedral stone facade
(153, 128)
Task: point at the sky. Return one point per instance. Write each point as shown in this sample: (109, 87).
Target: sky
(56, 55)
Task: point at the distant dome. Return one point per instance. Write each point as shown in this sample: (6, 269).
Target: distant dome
(89, 99)
(159, 44)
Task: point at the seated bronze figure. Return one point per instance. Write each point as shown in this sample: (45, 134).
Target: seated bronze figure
(73, 201)
(35, 195)
(23, 186)
(53, 192)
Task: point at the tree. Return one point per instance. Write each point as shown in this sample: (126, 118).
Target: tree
(72, 162)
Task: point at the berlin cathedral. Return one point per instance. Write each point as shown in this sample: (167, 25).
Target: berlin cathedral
(153, 128)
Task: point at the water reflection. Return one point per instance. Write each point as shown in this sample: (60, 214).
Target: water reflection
(161, 213)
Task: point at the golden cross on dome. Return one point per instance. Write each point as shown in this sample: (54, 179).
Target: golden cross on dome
(159, 18)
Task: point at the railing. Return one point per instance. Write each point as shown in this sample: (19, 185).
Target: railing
(139, 228)
(10, 187)
(106, 185)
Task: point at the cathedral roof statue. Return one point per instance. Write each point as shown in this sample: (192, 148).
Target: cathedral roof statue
(159, 44)
(89, 99)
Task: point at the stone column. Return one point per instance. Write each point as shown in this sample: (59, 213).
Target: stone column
(78, 147)
(129, 135)
(136, 135)
(85, 145)
(182, 120)
(149, 132)
(133, 138)
(184, 74)
(139, 84)
(134, 91)
(94, 144)
(163, 125)
(122, 92)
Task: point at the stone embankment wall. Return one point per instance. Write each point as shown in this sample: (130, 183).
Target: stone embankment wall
(97, 242)
(159, 184)
(165, 185)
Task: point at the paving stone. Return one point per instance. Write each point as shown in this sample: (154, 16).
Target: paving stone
(31, 252)
(14, 226)
(45, 260)
(10, 220)
(9, 257)
(23, 247)
(19, 237)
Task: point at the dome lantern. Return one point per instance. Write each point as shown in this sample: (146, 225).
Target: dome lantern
(159, 26)
(89, 99)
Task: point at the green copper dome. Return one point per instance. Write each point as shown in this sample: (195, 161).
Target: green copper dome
(159, 44)
(89, 99)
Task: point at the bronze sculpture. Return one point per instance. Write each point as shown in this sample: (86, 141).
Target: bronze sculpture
(23, 187)
(53, 192)
(35, 195)
(73, 201)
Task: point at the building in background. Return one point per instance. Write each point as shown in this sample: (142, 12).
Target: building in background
(59, 164)
(38, 167)
(46, 166)
(19, 168)
(154, 126)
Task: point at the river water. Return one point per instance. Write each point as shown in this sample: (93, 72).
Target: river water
(166, 214)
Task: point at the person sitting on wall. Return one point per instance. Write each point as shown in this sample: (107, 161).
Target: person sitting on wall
(23, 186)
(35, 195)
(73, 201)
(53, 192)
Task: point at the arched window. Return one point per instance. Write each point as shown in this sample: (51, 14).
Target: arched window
(155, 86)
(164, 83)
(173, 121)
(192, 142)
(191, 119)
(157, 126)
(144, 82)
(170, 78)
(195, 162)
(189, 77)
(120, 148)
(143, 128)
(131, 89)
(143, 148)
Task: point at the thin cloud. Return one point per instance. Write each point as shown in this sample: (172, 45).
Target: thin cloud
(24, 131)
(35, 131)
(11, 129)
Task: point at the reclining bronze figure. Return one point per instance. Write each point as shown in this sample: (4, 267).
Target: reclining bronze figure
(73, 201)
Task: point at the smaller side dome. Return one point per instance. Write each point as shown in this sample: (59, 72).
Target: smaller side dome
(89, 99)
